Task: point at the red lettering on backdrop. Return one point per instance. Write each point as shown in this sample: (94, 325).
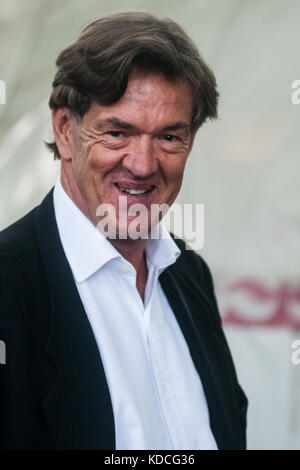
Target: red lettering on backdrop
(283, 298)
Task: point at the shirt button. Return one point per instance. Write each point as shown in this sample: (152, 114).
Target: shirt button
(124, 268)
(164, 388)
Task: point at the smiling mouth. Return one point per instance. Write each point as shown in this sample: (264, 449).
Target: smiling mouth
(135, 191)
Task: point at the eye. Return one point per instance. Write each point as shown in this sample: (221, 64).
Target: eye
(114, 133)
(170, 138)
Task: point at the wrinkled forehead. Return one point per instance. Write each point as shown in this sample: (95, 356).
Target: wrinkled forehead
(150, 100)
(155, 86)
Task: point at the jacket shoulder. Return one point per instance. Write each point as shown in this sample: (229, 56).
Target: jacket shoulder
(194, 274)
(192, 266)
(19, 251)
(19, 235)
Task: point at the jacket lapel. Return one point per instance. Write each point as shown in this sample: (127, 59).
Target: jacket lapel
(77, 407)
(209, 354)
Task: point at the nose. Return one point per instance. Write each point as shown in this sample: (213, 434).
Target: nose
(140, 160)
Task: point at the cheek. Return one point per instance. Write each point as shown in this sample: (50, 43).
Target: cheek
(173, 169)
(101, 159)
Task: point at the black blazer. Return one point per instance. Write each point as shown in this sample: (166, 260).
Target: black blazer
(53, 389)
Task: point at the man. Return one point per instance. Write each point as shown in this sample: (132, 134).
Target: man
(115, 342)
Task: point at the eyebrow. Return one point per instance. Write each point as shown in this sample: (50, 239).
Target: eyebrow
(131, 127)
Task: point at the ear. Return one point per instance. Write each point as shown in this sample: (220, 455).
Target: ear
(62, 130)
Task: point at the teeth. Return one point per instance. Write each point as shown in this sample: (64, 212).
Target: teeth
(134, 191)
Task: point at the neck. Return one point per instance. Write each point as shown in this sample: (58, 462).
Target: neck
(134, 252)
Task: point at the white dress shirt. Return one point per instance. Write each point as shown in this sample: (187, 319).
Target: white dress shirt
(157, 396)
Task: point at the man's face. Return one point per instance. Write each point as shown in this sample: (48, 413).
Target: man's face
(135, 149)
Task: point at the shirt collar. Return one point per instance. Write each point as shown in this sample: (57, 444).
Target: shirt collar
(87, 250)
(161, 250)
